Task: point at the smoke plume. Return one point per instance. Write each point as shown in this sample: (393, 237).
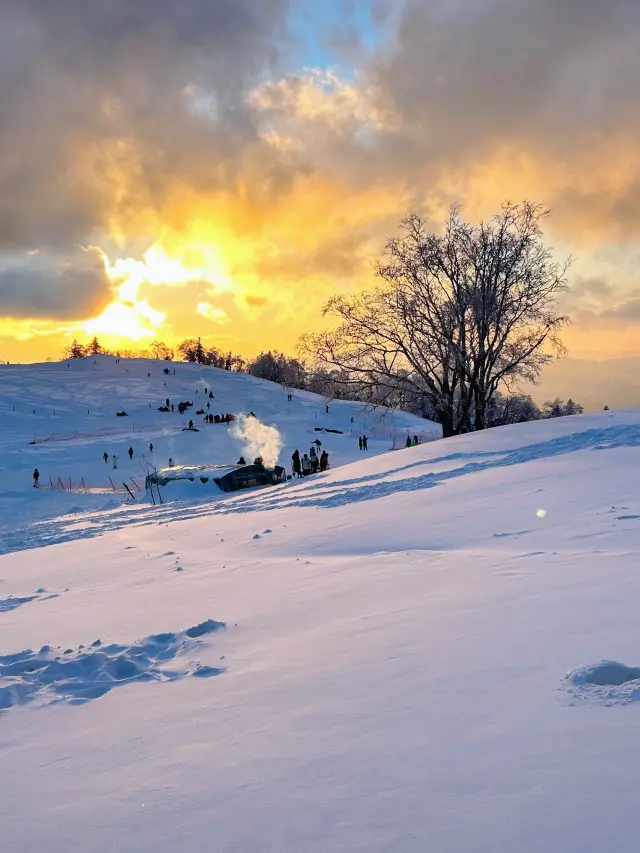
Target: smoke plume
(258, 439)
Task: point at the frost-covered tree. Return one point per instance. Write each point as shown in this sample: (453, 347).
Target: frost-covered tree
(511, 409)
(278, 367)
(458, 314)
(558, 409)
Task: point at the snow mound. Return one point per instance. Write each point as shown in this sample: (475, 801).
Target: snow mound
(607, 681)
(13, 602)
(80, 675)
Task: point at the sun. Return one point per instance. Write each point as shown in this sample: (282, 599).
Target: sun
(128, 316)
(133, 321)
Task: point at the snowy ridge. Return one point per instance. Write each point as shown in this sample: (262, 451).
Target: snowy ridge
(61, 418)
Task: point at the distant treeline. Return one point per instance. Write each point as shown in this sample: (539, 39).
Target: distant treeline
(295, 373)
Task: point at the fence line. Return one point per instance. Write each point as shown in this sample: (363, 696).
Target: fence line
(80, 487)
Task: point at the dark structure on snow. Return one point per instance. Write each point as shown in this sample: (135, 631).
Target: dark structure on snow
(250, 476)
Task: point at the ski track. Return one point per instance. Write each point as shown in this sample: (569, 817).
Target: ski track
(314, 492)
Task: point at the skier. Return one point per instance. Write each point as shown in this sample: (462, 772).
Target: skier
(130, 452)
(241, 461)
(360, 445)
(170, 462)
(151, 448)
(306, 465)
(172, 408)
(408, 441)
(326, 410)
(416, 442)
(190, 424)
(324, 460)
(105, 456)
(313, 458)
(365, 441)
(115, 461)
(208, 406)
(295, 464)
(36, 478)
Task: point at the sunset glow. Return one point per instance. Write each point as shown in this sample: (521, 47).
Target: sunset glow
(230, 199)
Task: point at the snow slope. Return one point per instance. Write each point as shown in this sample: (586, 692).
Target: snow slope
(404, 654)
(69, 410)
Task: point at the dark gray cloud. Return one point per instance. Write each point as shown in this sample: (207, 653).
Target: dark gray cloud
(467, 73)
(627, 311)
(54, 287)
(108, 106)
(99, 103)
(591, 286)
(555, 80)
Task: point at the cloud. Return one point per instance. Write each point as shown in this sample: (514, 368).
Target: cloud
(54, 287)
(154, 123)
(101, 100)
(592, 286)
(627, 311)
(469, 82)
(217, 315)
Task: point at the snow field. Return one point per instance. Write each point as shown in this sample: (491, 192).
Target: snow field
(414, 659)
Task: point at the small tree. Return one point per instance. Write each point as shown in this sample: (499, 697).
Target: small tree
(558, 409)
(75, 350)
(94, 347)
(571, 408)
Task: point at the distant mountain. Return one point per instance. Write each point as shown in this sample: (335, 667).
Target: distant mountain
(594, 384)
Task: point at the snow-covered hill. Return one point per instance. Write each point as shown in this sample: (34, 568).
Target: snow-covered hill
(400, 655)
(61, 418)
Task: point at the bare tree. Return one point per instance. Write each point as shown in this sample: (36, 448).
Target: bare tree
(457, 315)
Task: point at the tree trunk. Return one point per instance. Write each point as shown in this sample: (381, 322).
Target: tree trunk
(446, 421)
(480, 420)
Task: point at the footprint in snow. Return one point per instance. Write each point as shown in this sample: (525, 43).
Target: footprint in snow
(605, 683)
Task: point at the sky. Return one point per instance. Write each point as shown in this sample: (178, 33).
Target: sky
(220, 168)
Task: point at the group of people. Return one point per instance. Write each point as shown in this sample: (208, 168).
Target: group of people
(412, 443)
(226, 418)
(363, 442)
(114, 458)
(310, 463)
